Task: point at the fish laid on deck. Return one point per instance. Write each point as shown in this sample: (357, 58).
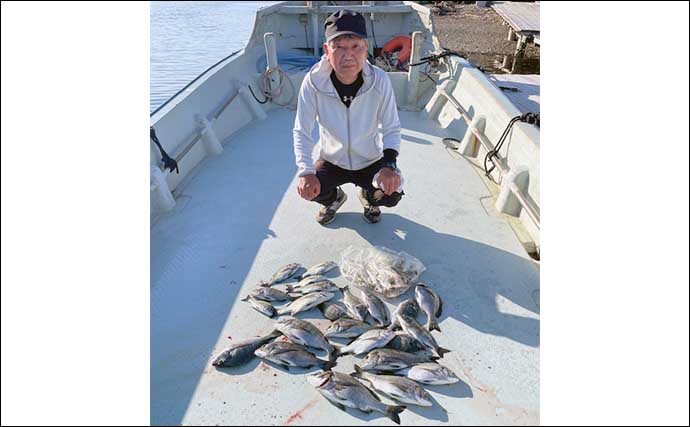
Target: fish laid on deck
(429, 373)
(355, 306)
(320, 268)
(242, 352)
(304, 333)
(401, 389)
(291, 355)
(431, 304)
(344, 391)
(305, 303)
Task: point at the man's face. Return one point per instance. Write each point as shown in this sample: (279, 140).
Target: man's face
(346, 54)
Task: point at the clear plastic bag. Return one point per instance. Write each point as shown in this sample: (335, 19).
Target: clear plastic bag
(380, 270)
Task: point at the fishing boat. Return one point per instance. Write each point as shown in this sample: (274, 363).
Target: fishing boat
(225, 215)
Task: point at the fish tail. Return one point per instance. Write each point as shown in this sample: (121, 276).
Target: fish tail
(433, 325)
(335, 353)
(441, 351)
(392, 412)
(358, 372)
(327, 365)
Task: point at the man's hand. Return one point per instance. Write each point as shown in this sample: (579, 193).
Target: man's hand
(308, 187)
(388, 181)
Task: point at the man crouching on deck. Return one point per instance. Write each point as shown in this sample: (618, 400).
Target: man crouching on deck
(349, 98)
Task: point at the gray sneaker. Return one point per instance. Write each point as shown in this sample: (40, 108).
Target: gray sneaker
(326, 214)
(372, 214)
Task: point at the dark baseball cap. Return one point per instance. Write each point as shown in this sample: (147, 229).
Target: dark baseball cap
(345, 22)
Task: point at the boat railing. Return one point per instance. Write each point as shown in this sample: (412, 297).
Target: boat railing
(514, 195)
(205, 133)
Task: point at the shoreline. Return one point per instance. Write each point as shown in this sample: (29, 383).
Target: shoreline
(479, 34)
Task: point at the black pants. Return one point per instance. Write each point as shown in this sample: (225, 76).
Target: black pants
(331, 177)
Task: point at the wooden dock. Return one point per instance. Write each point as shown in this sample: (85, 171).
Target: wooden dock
(522, 18)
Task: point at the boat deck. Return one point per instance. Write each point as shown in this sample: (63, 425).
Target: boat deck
(239, 218)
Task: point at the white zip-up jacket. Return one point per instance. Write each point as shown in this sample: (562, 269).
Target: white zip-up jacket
(349, 136)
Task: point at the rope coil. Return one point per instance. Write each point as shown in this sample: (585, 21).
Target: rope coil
(270, 93)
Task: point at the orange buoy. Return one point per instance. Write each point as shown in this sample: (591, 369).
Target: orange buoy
(401, 43)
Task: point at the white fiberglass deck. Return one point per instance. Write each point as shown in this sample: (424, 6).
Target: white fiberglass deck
(239, 218)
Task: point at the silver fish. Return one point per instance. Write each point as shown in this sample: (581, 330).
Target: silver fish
(417, 331)
(430, 373)
(438, 302)
(242, 352)
(304, 333)
(308, 280)
(408, 308)
(431, 305)
(319, 286)
(371, 339)
(305, 303)
(333, 310)
(347, 328)
(263, 307)
(320, 268)
(387, 359)
(400, 389)
(285, 273)
(404, 342)
(377, 309)
(344, 391)
(268, 294)
(291, 355)
(357, 308)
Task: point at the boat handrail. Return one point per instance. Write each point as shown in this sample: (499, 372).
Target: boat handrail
(200, 133)
(515, 182)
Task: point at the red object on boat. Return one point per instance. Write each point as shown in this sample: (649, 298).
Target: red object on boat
(401, 43)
